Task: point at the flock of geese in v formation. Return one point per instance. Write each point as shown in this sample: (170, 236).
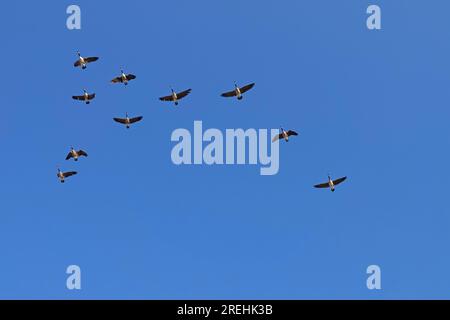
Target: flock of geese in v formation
(173, 97)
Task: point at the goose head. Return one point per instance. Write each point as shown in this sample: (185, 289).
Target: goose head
(78, 53)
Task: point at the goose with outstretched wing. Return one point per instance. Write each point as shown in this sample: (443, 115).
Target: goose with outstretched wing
(174, 96)
(331, 183)
(75, 154)
(63, 175)
(86, 97)
(123, 78)
(82, 62)
(127, 121)
(284, 135)
(238, 91)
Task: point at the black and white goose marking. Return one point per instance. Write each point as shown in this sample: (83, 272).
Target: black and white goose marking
(75, 154)
(86, 97)
(176, 96)
(63, 175)
(127, 121)
(284, 135)
(82, 62)
(237, 92)
(331, 183)
(123, 78)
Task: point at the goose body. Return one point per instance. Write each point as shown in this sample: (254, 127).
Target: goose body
(176, 96)
(238, 91)
(331, 183)
(63, 175)
(127, 121)
(82, 62)
(123, 78)
(284, 135)
(75, 154)
(86, 97)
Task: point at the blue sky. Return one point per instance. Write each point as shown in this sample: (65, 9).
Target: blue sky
(372, 105)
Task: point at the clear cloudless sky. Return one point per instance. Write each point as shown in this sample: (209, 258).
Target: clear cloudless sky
(372, 105)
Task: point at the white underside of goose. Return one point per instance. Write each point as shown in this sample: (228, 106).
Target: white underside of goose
(331, 185)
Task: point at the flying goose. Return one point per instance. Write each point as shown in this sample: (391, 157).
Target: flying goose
(284, 135)
(63, 175)
(82, 62)
(86, 97)
(176, 96)
(123, 78)
(128, 121)
(237, 92)
(75, 154)
(331, 183)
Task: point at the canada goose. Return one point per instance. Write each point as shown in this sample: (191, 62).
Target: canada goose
(176, 96)
(128, 121)
(86, 97)
(75, 154)
(82, 62)
(284, 135)
(237, 92)
(331, 183)
(63, 175)
(123, 78)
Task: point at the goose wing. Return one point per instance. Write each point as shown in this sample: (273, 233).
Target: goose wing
(91, 96)
(90, 59)
(69, 173)
(120, 120)
(78, 97)
(229, 94)
(322, 185)
(82, 153)
(292, 133)
(117, 79)
(130, 76)
(277, 137)
(136, 119)
(166, 98)
(337, 181)
(69, 155)
(77, 63)
(183, 94)
(247, 87)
